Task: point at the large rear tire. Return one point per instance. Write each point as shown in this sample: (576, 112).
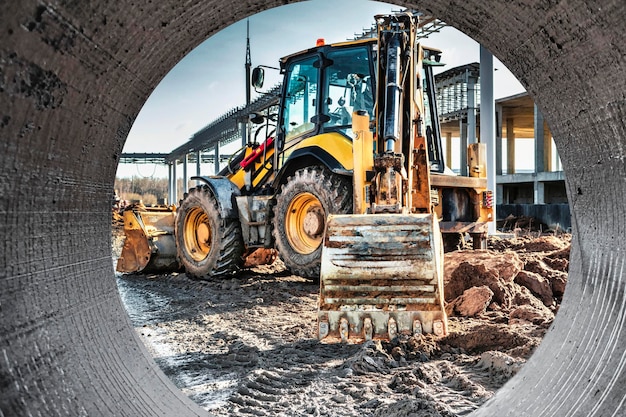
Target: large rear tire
(302, 205)
(208, 245)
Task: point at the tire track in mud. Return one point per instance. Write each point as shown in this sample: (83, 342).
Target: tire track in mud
(246, 346)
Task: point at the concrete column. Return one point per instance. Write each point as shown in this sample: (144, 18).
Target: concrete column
(174, 195)
(198, 163)
(540, 155)
(170, 174)
(557, 161)
(487, 122)
(217, 158)
(185, 174)
(540, 146)
(510, 146)
(500, 194)
(463, 146)
(547, 147)
(498, 139)
(540, 193)
(449, 149)
(471, 110)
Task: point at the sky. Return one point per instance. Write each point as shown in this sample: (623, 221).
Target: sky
(210, 80)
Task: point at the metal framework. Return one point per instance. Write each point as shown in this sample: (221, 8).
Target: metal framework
(454, 88)
(143, 158)
(429, 25)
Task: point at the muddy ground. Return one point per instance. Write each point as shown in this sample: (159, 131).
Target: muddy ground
(246, 345)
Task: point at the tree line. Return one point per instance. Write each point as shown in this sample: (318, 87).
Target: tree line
(148, 190)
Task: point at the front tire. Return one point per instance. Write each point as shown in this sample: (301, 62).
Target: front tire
(207, 245)
(302, 206)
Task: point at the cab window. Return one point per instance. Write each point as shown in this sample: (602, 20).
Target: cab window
(300, 98)
(348, 86)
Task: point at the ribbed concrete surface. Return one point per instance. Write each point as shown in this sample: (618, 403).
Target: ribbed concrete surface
(73, 75)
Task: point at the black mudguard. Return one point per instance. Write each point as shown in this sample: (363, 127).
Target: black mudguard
(224, 191)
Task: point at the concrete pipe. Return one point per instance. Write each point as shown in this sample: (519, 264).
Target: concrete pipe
(73, 76)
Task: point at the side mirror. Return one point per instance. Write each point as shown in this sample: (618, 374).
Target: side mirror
(258, 76)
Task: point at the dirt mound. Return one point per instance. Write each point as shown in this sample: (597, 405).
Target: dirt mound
(525, 285)
(478, 336)
(531, 243)
(545, 244)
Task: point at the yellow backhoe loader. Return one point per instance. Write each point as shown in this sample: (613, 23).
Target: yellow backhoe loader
(351, 189)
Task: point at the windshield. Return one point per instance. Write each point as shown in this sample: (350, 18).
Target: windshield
(348, 87)
(300, 98)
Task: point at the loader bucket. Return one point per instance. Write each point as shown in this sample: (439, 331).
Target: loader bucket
(381, 276)
(149, 245)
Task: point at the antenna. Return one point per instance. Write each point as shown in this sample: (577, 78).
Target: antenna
(248, 62)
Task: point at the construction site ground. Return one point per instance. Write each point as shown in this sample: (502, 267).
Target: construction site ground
(246, 345)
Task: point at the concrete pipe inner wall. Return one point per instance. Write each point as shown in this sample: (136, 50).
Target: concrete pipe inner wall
(74, 75)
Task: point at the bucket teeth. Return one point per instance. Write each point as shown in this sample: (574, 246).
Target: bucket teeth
(367, 328)
(417, 327)
(381, 276)
(392, 329)
(344, 329)
(438, 328)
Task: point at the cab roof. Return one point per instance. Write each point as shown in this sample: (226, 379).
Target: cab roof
(365, 41)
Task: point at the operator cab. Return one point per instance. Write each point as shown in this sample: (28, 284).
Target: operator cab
(324, 85)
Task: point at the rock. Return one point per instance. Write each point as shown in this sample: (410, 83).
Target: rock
(538, 285)
(523, 297)
(559, 264)
(412, 407)
(479, 336)
(500, 365)
(558, 282)
(531, 314)
(557, 279)
(474, 301)
(340, 399)
(474, 268)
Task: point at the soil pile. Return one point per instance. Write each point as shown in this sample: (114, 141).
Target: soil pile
(246, 345)
(522, 279)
